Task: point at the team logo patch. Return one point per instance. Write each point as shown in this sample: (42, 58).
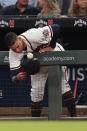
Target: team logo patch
(46, 33)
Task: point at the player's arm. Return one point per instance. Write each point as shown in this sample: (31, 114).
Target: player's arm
(45, 49)
(17, 73)
(51, 34)
(56, 29)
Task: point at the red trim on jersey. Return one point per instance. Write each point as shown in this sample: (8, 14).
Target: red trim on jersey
(27, 41)
(14, 68)
(51, 31)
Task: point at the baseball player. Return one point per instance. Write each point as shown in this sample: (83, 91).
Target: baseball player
(35, 40)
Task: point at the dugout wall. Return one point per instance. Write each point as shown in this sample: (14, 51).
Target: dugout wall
(73, 37)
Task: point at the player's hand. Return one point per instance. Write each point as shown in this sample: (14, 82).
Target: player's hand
(21, 76)
(45, 49)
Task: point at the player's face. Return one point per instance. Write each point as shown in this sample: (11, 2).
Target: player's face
(82, 3)
(17, 46)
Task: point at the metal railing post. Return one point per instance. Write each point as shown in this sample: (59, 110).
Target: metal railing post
(54, 93)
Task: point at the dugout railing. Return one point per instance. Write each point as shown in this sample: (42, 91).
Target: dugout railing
(54, 60)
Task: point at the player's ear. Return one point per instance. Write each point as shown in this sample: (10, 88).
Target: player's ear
(19, 38)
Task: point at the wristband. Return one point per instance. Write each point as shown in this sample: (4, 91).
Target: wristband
(15, 80)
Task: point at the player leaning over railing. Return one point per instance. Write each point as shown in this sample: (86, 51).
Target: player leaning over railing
(34, 40)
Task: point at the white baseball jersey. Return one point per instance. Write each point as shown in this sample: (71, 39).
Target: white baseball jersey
(34, 38)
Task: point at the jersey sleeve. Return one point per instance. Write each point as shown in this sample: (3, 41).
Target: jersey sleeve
(39, 35)
(14, 60)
